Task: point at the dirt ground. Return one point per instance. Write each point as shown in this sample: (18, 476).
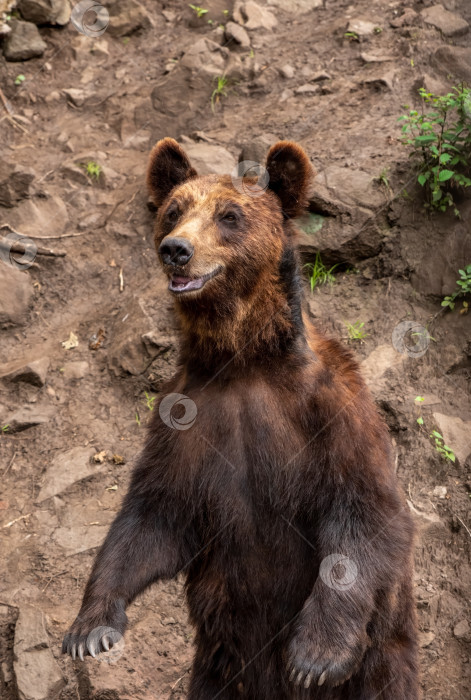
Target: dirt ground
(76, 420)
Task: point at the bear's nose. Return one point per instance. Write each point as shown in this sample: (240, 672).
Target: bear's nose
(176, 251)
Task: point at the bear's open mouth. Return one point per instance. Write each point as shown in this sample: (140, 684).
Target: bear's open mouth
(179, 284)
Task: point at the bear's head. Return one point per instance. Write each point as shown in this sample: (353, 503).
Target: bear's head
(219, 238)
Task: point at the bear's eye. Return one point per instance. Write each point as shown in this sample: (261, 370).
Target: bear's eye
(172, 216)
(229, 218)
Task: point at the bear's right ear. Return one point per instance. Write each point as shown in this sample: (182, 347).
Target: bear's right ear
(290, 173)
(168, 166)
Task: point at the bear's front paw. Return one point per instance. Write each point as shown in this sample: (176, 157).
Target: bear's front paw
(330, 661)
(83, 639)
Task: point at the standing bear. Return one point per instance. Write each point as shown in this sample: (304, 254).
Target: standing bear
(275, 494)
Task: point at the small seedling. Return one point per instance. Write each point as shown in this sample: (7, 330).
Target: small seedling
(199, 11)
(355, 331)
(5, 428)
(150, 401)
(378, 30)
(137, 419)
(441, 145)
(319, 273)
(225, 12)
(420, 420)
(353, 36)
(464, 288)
(220, 90)
(442, 449)
(92, 169)
(20, 79)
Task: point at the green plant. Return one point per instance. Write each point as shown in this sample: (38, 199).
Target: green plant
(137, 418)
(199, 11)
(20, 79)
(220, 90)
(319, 273)
(92, 169)
(355, 331)
(441, 144)
(5, 428)
(353, 36)
(442, 449)
(383, 179)
(150, 401)
(464, 287)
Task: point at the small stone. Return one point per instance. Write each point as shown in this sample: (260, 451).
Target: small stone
(406, 19)
(257, 17)
(439, 491)
(45, 11)
(32, 373)
(23, 42)
(76, 96)
(425, 639)
(75, 370)
(287, 71)
(207, 158)
(449, 23)
(38, 676)
(126, 17)
(73, 172)
(361, 27)
(15, 181)
(234, 32)
(27, 417)
(307, 89)
(66, 469)
(16, 292)
(462, 630)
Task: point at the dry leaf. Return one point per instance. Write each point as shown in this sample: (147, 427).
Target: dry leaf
(72, 342)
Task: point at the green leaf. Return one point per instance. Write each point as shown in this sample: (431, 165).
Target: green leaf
(445, 175)
(422, 178)
(420, 420)
(445, 157)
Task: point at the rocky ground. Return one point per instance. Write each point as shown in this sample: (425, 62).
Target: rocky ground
(87, 332)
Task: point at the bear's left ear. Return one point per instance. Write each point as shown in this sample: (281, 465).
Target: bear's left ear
(168, 167)
(290, 173)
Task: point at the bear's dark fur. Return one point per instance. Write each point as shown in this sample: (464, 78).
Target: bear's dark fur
(277, 498)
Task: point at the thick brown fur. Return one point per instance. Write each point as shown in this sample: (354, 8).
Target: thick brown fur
(286, 468)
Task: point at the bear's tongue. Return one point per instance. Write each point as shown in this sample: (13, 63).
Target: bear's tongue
(184, 284)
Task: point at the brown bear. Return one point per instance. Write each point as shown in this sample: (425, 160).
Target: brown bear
(275, 493)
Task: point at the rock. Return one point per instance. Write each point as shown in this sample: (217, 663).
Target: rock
(257, 17)
(439, 491)
(449, 23)
(425, 639)
(41, 215)
(408, 17)
(32, 373)
(23, 42)
(382, 80)
(38, 676)
(462, 630)
(66, 469)
(28, 416)
(14, 183)
(454, 61)
(206, 56)
(207, 159)
(234, 32)
(257, 148)
(80, 539)
(126, 17)
(75, 370)
(307, 89)
(73, 172)
(297, 6)
(45, 11)
(378, 362)
(76, 96)
(456, 434)
(349, 233)
(287, 71)
(361, 27)
(16, 292)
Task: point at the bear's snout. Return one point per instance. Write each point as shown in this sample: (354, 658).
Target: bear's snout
(176, 251)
